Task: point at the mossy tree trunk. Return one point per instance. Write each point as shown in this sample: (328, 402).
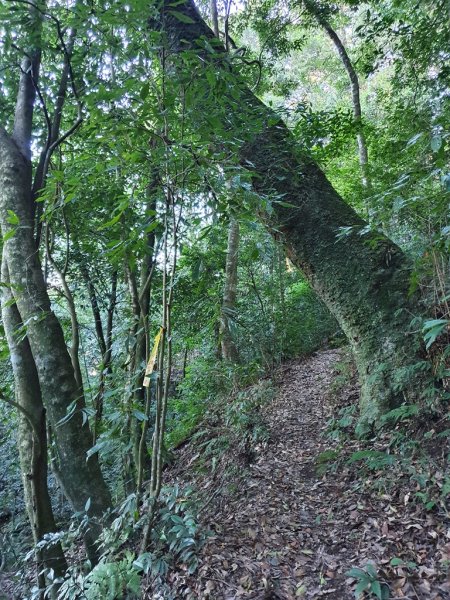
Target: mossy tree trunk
(363, 279)
(31, 436)
(81, 478)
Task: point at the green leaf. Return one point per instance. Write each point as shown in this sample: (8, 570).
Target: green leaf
(371, 570)
(432, 329)
(375, 587)
(385, 595)
(414, 139)
(285, 204)
(446, 182)
(151, 227)
(112, 222)
(9, 234)
(181, 17)
(95, 449)
(361, 587)
(144, 91)
(139, 415)
(356, 573)
(13, 218)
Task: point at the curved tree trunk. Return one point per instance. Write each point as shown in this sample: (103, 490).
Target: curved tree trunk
(362, 279)
(354, 84)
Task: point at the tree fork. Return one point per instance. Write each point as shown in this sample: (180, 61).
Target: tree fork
(364, 280)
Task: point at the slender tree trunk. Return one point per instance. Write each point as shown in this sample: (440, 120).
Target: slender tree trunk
(106, 364)
(227, 345)
(140, 295)
(362, 279)
(229, 349)
(215, 18)
(32, 435)
(354, 84)
(104, 339)
(164, 375)
(81, 477)
(75, 341)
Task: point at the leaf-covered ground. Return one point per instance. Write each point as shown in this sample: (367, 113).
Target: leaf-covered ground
(288, 530)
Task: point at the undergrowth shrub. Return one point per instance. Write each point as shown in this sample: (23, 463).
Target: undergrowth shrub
(208, 382)
(176, 538)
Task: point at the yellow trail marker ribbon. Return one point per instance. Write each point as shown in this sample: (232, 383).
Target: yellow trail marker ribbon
(152, 360)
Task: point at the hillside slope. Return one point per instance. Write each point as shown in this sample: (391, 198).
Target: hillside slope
(290, 531)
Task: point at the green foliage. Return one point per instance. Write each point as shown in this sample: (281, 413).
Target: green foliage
(325, 459)
(369, 582)
(432, 330)
(108, 580)
(243, 415)
(177, 537)
(310, 324)
(373, 459)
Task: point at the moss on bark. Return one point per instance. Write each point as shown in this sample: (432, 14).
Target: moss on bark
(363, 279)
(81, 477)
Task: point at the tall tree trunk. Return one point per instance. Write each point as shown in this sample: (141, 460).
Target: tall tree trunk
(106, 364)
(81, 477)
(32, 435)
(215, 18)
(354, 84)
(229, 349)
(227, 345)
(104, 337)
(362, 279)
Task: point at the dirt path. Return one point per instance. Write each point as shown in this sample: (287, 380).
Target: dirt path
(290, 533)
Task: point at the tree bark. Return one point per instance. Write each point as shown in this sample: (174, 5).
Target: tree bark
(229, 349)
(215, 18)
(81, 477)
(362, 279)
(32, 435)
(227, 345)
(75, 341)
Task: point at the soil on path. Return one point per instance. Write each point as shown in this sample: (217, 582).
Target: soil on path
(290, 532)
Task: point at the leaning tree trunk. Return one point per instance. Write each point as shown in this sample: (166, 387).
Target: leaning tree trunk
(363, 279)
(81, 477)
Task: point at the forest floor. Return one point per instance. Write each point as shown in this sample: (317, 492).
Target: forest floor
(290, 530)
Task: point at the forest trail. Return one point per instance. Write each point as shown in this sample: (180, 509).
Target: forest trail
(289, 532)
